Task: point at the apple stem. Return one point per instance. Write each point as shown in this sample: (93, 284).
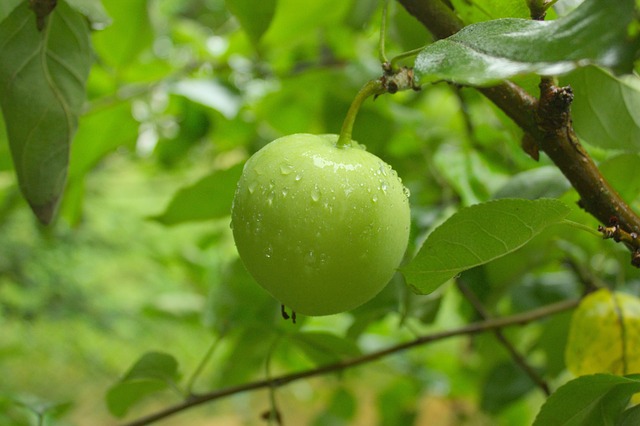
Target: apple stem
(373, 87)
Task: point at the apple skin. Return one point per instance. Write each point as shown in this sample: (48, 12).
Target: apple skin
(321, 227)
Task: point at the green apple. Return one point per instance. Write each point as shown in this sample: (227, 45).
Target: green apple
(320, 225)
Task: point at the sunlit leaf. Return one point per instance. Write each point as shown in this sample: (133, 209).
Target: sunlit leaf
(605, 335)
(487, 52)
(477, 235)
(42, 89)
(254, 16)
(153, 372)
(606, 109)
(595, 400)
(209, 198)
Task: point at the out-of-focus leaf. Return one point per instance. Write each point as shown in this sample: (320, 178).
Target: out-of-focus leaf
(504, 384)
(487, 52)
(94, 10)
(6, 7)
(42, 89)
(606, 109)
(209, 198)
(210, 94)
(100, 132)
(294, 23)
(254, 16)
(594, 400)
(324, 348)
(153, 372)
(486, 10)
(340, 410)
(541, 182)
(129, 35)
(478, 234)
(552, 342)
(630, 417)
(605, 335)
(617, 171)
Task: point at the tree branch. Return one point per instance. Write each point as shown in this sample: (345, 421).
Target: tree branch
(547, 123)
(474, 328)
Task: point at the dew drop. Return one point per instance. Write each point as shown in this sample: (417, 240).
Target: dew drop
(285, 191)
(374, 198)
(268, 252)
(298, 177)
(270, 196)
(315, 193)
(252, 186)
(286, 168)
(406, 191)
(384, 186)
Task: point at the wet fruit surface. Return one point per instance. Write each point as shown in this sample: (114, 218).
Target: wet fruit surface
(321, 227)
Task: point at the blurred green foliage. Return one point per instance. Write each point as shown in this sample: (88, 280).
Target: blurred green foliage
(181, 94)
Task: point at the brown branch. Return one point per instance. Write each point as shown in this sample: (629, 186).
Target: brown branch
(470, 329)
(546, 123)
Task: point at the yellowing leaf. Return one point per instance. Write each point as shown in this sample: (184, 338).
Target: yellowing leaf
(605, 335)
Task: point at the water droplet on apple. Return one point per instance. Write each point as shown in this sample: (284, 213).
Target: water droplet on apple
(252, 186)
(374, 198)
(406, 191)
(268, 252)
(285, 191)
(286, 169)
(315, 193)
(384, 186)
(298, 177)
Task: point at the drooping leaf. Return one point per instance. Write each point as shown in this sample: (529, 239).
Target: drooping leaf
(605, 335)
(594, 400)
(209, 198)
(487, 52)
(478, 234)
(153, 372)
(254, 17)
(42, 89)
(606, 109)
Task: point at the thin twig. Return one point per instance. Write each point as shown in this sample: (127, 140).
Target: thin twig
(474, 328)
(517, 356)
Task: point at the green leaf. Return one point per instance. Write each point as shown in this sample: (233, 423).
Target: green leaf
(606, 109)
(595, 400)
(131, 33)
(617, 171)
(541, 182)
(255, 17)
(94, 10)
(630, 417)
(324, 348)
(209, 198)
(487, 52)
(153, 372)
(42, 90)
(478, 234)
(6, 7)
(485, 10)
(504, 384)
